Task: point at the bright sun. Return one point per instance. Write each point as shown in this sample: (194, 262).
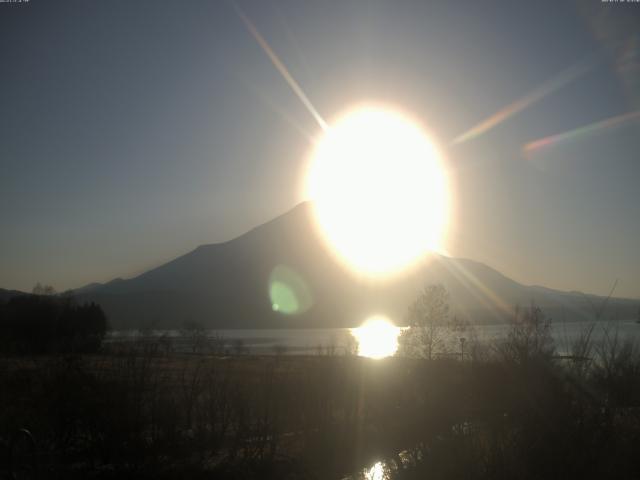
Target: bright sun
(379, 191)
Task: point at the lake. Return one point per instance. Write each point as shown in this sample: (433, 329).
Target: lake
(336, 340)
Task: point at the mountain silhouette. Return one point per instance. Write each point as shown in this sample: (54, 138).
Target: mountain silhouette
(233, 284)
(5, 295)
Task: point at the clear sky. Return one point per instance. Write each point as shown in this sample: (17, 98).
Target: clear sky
(133, 131)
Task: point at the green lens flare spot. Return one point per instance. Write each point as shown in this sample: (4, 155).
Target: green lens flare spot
(288, 292)
(283, 298)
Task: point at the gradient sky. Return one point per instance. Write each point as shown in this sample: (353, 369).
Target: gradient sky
(133, 131)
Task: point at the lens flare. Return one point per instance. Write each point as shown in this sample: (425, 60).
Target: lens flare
(379, 191)
(288, 292)
(564, 78)
(590, 129)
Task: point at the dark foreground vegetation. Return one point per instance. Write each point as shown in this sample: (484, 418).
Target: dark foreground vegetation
(48, 323)
(509, 410)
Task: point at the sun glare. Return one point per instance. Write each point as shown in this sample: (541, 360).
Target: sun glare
(377, 338)
(379, 191)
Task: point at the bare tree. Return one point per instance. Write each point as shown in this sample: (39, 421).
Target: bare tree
(195, 334)
(40, 289)
(428, 316)
(529, 337)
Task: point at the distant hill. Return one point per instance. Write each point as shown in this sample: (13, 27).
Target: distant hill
(227, 285)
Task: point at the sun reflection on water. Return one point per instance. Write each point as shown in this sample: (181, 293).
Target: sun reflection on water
(377, 337)
(376, 472)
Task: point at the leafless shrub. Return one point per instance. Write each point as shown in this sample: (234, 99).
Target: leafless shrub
(616, 369)
(528, 339)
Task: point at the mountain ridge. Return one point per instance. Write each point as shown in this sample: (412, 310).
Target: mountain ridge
(231, 285)
(226, 285)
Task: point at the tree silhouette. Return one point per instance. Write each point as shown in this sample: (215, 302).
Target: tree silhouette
(40, 289)
(428, 316)
(48, 324)
(529, 337)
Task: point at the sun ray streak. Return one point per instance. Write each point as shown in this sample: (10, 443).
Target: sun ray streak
(489, 298)
(565, 77)
(275, 60)
(277, 109)
(302, 59)
(581, 131)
